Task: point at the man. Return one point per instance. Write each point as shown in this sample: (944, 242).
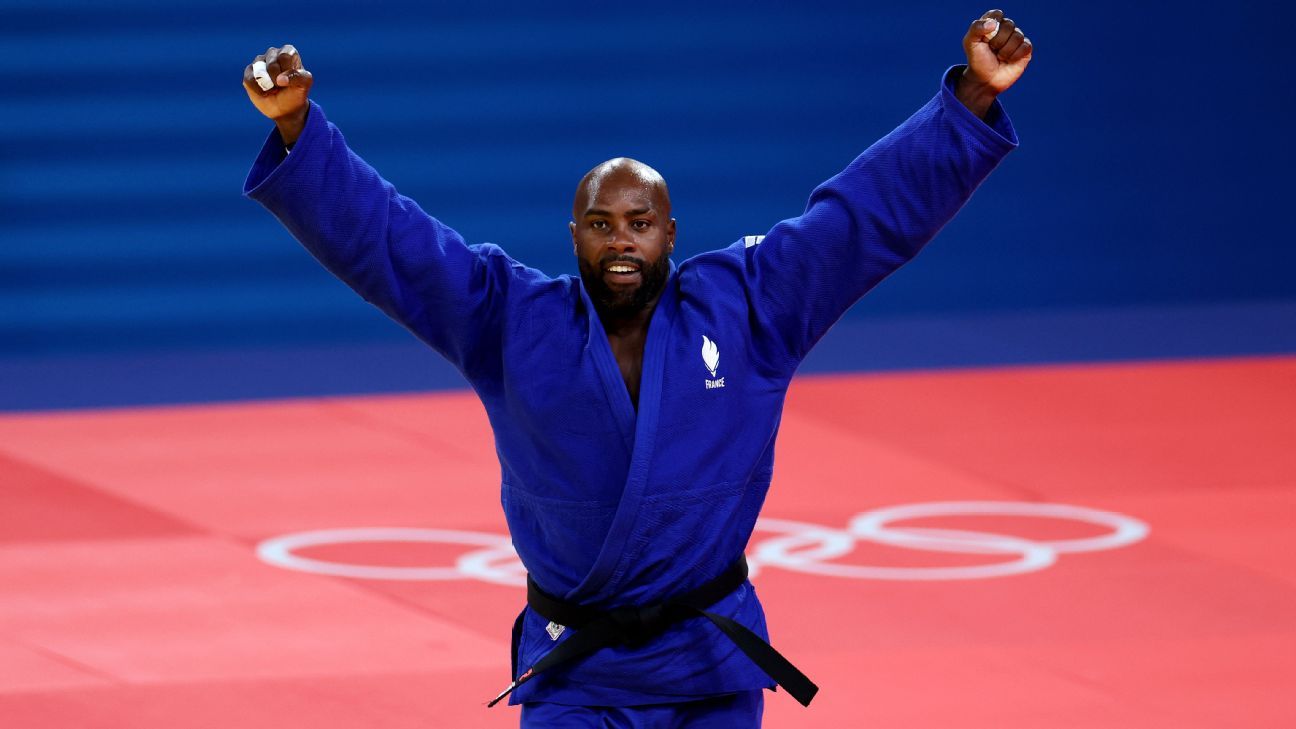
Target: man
(635, 408)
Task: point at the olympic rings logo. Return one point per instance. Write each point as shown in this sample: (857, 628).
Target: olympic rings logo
(796, 546)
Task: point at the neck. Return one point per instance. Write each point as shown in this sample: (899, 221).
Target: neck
(624, 324)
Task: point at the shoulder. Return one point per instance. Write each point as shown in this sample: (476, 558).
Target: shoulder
(497, 259)
(721, 272)
(732, 257)
(522, 281)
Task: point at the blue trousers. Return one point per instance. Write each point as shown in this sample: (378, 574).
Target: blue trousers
(739, 711)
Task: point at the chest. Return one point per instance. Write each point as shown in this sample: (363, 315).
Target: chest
(576, 408)
(628, 351)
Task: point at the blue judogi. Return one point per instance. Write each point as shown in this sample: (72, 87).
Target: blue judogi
(608, 506)
(740, 711)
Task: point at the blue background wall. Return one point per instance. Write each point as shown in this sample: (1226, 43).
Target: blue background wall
(1154, 169)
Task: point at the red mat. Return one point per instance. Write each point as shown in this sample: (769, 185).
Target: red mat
(1088, 546)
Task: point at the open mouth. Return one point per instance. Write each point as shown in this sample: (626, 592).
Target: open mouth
(621, 273)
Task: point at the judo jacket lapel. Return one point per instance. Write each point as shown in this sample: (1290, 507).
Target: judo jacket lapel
(602, 580)
(610, 373)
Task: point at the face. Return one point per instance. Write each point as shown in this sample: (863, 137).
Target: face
(623, 236)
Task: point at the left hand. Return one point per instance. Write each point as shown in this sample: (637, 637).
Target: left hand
(997, 52)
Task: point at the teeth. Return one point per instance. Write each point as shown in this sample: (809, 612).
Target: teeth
(621, 269)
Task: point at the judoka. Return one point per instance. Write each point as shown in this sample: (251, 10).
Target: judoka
(635, 407)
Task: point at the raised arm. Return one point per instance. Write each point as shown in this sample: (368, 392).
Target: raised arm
(416, 269)
(875, 215)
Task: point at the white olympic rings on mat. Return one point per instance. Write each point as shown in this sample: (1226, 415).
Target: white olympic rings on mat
(804, 547)
(797, 546)
(495, 562)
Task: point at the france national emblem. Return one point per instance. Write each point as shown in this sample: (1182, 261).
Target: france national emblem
(711, 358)
(554, 630)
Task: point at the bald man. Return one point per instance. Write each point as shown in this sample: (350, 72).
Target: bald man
(635, 408)
(623, 234)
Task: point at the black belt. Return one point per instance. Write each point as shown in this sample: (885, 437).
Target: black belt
(603, 628)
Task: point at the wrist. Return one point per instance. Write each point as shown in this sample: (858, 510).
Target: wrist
(290, 126)
(977, 96)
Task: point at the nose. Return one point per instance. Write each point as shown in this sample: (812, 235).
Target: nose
(621, 240)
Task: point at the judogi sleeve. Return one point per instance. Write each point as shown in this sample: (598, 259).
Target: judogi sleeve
(869, 219)
(410, 265)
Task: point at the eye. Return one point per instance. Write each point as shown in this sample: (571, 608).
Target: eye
(640, 224)
(598, 224)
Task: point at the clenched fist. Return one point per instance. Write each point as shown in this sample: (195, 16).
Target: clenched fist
(285, 102)
(997, 53)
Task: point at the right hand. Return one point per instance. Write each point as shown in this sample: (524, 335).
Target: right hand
(285, 104)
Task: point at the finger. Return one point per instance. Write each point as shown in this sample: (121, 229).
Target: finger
(990, 28)
(980, 29)
(1014, 42)
(289, 67)
(272, 59)
(260, 78)
(1023, 51)
(298, 77)
(249, 82)
(1002, 36)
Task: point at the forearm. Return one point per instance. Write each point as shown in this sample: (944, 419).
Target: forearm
(878, 213)
(895, 197)
(337, 207)
(910, 183)
(413, 267)
(291, 126)
(977, 97)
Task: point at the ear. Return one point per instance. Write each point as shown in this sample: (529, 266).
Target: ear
(571, 226)
(670, 236)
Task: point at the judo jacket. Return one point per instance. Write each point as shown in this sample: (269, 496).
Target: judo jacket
(608, 505)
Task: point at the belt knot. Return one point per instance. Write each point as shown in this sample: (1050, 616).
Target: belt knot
(636, 625)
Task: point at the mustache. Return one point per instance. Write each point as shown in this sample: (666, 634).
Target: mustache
(611, 259)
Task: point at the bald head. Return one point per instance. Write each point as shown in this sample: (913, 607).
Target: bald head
(621, 174)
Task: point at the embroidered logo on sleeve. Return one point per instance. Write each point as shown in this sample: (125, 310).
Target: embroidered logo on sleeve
(554, 630)
(711, 358)
(751, 240)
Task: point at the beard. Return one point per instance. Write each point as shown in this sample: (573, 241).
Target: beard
(624, 302)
